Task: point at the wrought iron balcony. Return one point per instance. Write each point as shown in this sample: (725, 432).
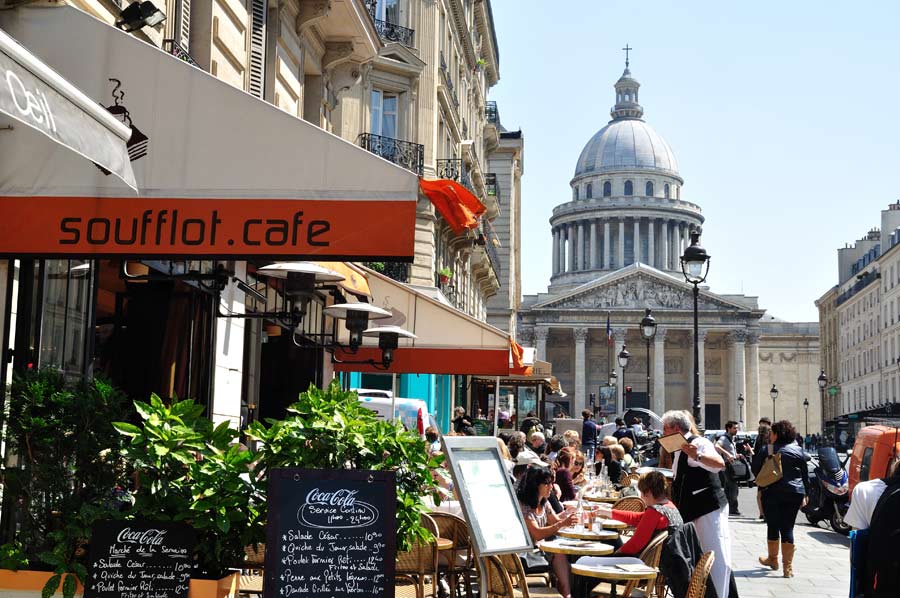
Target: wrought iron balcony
(465, 129)
(491, 243)
(410, 156)
(390, 32)
(448, 80)
(175, 49)
(491, 114)
(455, 170)
(490, 184)
(399, 271)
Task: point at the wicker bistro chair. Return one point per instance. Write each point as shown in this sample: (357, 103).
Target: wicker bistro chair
(650, 556)
(416, 571)
(697, 585)
(458, 563)
(516, 571)
(499, 584)
(251, 581)
(630, 503)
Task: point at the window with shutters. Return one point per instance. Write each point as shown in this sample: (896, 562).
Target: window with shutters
(384, 113)
(258, 10)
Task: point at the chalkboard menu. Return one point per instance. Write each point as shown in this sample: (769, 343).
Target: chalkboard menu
(140, 559)
(330, 533)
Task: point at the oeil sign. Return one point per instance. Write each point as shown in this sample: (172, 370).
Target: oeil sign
(30, 104)
(179, 227)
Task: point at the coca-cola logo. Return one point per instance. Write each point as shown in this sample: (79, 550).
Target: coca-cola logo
(150, 537)
(335, 509)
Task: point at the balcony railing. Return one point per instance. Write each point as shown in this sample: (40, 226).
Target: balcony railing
(410, 156)
(490, 247)
(175, 49)
(491, 114)
(399, 271)
(455, 170)
(387, 31)
(491, 186)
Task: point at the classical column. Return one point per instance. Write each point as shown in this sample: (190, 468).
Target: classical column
(607, 246)
(581, 335)
(674, 254)
(592, 263)
(619, 338)
(685, 238)
(736, 339)
(620, 262)
(637, 240)
(651, 253)
(751, 404)
(570, 229)
(664, 245)
(659, 372)
(582, 246)
(560, 250)
(555, 251)
(540, 338)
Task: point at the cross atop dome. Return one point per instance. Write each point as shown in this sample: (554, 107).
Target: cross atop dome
(627, 49)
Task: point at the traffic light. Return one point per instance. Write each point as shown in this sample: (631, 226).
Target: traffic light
(627, 396)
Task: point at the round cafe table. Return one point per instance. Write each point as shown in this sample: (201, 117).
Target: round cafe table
(443, 543)
(604, 499)
(575, 547)
(611, 523)
(614, 575)
(586, 534)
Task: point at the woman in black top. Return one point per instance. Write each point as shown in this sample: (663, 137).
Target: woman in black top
(783, 499)
(462, 423)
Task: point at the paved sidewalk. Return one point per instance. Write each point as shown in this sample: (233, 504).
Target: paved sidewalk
(821, 562)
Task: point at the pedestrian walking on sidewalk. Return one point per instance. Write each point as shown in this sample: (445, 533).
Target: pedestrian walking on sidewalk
(782, 500)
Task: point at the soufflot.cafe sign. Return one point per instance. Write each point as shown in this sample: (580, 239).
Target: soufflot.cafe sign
(72, 226)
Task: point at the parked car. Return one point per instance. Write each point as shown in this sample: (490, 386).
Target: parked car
(413, 413)
(872, 453)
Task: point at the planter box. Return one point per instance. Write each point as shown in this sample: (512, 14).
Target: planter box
(227, 587)
(28, 584)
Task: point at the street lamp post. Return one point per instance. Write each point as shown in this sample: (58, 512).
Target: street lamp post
(741, 409)
(695, 267)
(774, 394)
(823, 382)
(613, 379)
(806, 417)
(623, 357)
(648, 332)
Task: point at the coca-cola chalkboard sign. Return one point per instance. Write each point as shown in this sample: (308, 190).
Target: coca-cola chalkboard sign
(330, 533)
(140, 559)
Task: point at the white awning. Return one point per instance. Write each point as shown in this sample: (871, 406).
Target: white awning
(33, 94)
(225, 174)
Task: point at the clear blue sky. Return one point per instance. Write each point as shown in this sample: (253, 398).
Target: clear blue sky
(783, 117)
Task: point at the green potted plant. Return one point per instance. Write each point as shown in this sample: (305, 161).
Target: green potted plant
(188, 470)
(69, 474)
(445, 274)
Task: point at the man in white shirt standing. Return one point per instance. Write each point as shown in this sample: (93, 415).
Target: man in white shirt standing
(697, 491)
(864, 498)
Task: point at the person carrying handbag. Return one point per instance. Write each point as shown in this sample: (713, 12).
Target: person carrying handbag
(780, 470)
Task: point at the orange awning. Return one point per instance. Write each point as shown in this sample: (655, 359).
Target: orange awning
(354, 280)
(459, 207)
(449, 341)
(517, 363)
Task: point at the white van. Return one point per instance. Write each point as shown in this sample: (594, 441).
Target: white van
(413, 413)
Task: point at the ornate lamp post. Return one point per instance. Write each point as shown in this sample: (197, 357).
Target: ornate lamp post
(823, 382)
(648, 332)
(774, 394)
(613, 379)
(623, 357)
(695, 267)
(741, 408)
(806, 417)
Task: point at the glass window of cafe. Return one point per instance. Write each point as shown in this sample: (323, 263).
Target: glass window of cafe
(515, 402)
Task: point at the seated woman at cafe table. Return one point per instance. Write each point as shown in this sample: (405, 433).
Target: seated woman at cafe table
(533, 492)
(604, 460)
(660, 514)
(578, 473)
(565, 462)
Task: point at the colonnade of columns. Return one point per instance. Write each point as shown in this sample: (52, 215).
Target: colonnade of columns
(585, 245)
(742, 357)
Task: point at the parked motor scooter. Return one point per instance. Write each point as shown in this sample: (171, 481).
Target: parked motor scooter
(829, 493)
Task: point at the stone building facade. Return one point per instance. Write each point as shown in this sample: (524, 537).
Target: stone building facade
(616, 246)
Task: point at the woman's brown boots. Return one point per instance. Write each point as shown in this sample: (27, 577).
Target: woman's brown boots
(787, 555)
(772, 560)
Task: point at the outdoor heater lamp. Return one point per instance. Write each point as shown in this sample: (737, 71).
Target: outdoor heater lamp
(388, 340)
(138, 15)
(356, 319)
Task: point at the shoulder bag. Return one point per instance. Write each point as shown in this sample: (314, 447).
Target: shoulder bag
(771, 469)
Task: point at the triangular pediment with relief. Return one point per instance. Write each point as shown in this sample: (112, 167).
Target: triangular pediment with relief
(638, 287)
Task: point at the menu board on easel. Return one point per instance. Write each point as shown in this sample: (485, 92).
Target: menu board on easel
(486, 495)
(330, 533)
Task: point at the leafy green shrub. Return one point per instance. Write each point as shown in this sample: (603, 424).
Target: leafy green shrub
(330, 429)
(69, 474)
(190, 471)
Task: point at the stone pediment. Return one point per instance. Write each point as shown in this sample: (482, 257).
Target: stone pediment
(636, 290)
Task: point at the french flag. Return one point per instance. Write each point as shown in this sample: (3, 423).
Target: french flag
(609, 338)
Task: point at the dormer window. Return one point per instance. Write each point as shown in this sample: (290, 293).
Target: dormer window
(649, 190)
(589, 191)
(607, 189)
(629, 188)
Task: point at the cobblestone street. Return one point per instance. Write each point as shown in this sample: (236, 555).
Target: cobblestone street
(821, 563)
